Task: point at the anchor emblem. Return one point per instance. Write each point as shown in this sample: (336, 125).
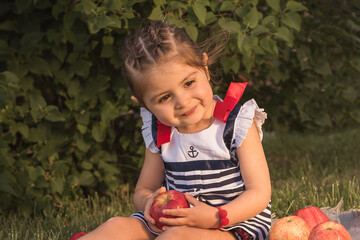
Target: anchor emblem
(193, 152)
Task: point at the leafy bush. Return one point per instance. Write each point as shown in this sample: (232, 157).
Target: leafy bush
(67, 124)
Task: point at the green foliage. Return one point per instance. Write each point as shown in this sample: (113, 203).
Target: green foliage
(67, 125)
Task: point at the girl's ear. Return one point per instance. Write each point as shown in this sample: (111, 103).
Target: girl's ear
(206, 66)
(205, 59)
(134, 99)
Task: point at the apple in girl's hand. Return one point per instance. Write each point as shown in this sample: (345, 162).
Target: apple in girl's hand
(171, 199)
(290, 228)
(312, 216)
(329, 231)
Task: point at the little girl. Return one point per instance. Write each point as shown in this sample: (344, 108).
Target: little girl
(208, 148)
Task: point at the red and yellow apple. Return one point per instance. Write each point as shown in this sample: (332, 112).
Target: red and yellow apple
(312, 216)
(171, 199)
(290, 228)
(329, 231)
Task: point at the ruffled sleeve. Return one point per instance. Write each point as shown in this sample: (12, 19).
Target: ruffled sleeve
(147, 130)
(248, 113)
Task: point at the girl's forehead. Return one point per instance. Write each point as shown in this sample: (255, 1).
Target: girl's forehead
(168, 75)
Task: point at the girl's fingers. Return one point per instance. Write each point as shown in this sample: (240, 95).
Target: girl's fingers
(169, 222)
(149, 203)
(191, 200)
(179, 212)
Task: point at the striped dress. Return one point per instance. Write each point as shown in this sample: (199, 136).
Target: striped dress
(205, 165)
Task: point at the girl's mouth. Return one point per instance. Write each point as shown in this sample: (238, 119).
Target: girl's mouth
(191, 111)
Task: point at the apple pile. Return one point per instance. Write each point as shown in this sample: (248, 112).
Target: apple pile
(308, 223)
(171, 199)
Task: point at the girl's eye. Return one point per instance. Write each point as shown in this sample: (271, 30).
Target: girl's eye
(188, 84)
(164, 98)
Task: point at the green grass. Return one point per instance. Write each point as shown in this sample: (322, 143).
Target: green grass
(314, 169)
(309, 169)
(58, 224)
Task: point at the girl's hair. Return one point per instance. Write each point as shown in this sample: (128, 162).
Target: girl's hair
(159, 43)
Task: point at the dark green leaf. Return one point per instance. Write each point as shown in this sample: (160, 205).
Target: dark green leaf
(109, 112)
(259, 30)
(160, 2)
(86, 178)
(271, 21)
(322, 66)
(229, 25)
(200, 11)
(355, 63)
(104, 22)
(244, 44)
(82, 67)
(4, 186)
(269, 45)
(98, 132)
(227, 6)
(248, 62)
(37, 102)
(285, 34)
(252, 19)
(355, 114)
(53, 114)
(57, 9)
(295, 6)
(57, 185)
(210, 18)
(350, 94)
(109, 169)
(31, 40)
(107, 51)
(35, 172)
(82, 128)
(156, 14)
(39, 66)
(192, 31)
(323, 119)
(88, 6)
(21, 5)
(83, 144)
(274, 4)
(86, 165)
(60, 52)
(21, 128)
(291, 19)
(303, 54)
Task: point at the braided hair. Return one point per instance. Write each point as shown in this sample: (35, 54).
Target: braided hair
(158, 43)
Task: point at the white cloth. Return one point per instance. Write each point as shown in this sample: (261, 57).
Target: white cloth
(249, 111)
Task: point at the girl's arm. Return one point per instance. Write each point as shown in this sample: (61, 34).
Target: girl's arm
(151, 177)
(255, 173)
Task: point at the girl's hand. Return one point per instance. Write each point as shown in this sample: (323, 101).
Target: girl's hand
(147, 209)
(200, 215)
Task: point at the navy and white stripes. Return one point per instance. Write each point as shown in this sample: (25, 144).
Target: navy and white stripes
(203, 165)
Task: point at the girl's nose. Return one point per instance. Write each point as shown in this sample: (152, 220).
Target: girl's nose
(182, 100)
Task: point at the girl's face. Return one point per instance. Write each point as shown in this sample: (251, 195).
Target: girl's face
(180, 95)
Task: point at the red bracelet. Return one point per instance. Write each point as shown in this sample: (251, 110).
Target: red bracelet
(223, 219)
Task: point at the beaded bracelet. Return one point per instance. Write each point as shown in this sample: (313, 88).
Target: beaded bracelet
(223, 219)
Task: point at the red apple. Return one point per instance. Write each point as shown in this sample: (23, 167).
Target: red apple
(329, 231)
(171, 199)
(77, 235)
(312, 216)
(290, 228)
